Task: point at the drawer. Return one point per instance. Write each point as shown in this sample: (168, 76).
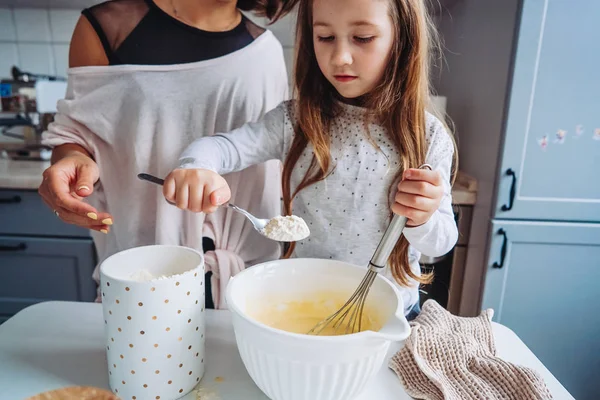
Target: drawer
(22, 212)
(40, 269)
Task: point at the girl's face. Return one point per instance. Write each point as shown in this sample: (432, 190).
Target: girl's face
(352, 40)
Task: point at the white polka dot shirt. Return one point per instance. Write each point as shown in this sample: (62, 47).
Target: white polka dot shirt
(348, 212)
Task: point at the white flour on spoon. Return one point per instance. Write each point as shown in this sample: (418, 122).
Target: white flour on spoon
(286, 229)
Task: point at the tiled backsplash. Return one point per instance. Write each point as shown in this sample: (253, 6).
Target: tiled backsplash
(37, 40)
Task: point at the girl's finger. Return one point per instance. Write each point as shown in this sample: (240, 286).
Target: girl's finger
(196, 198)
(414, 216)
(182, 195)
(421, 188)
(414, 174)
(415, 201)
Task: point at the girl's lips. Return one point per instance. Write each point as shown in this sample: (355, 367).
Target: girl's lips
(344, 78)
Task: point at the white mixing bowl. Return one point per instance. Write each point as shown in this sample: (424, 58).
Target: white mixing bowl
(290, 366)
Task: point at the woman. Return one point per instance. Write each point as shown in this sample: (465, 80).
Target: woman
(148, 77)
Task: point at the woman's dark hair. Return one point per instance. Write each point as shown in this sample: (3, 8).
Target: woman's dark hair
(271, 9)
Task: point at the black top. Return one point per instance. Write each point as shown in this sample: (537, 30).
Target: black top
(139, 32)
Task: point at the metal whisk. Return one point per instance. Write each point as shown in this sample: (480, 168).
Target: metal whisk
(352, 310)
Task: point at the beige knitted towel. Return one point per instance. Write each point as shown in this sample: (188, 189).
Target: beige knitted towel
(454, 358)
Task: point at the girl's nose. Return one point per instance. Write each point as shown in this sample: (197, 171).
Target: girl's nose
(342, 56)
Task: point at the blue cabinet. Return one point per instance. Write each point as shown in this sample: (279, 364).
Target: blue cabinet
(543, 270)
(523, 87)
(41, 257)
(551, 153)
(543, 281)
(23, 212)
(40, 269)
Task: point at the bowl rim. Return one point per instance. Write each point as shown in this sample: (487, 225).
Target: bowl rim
(102, 269)
(316, 338)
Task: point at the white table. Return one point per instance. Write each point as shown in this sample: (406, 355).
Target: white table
(56, 344)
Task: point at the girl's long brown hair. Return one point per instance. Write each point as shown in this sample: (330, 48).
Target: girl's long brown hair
(400, 100)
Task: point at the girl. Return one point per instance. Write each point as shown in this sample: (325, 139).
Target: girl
(351, 143)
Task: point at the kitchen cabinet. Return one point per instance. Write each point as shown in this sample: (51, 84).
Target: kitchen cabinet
(39, 269)
(551, 148)
(23, 212)
(542, 281)
(522, 85)
(41, 257)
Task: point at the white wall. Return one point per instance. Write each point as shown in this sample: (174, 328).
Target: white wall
(475, 78)
(37, 39)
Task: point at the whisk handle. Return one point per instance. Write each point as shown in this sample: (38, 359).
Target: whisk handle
(388, 242)
(390, 238)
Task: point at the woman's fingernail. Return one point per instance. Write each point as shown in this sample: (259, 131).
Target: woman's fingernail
(107, 221)
(105, 231)
(83, 187)
(407, 174)
(92, 215)
(218, 200)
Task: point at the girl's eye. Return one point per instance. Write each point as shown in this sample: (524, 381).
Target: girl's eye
(366, 39)
(325, 38)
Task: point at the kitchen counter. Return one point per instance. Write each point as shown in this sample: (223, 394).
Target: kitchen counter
(27, 175)
(57, 344)
(24, 175)
(464, 191)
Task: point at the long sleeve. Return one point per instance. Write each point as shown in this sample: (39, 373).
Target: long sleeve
(437, 236)
(66, 129)
(251, 144)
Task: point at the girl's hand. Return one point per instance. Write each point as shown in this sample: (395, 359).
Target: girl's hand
(196, 190)
(419, 195)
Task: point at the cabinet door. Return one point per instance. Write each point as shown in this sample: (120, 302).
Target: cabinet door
(551, 154)
(39, 269)
(22, 212)
(546, 288)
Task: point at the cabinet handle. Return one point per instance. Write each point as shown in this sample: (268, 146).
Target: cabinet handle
(513, 187)
(502, 251)
(18, 247)
(10, 200)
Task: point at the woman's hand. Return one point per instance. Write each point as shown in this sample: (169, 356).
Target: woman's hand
(66, 183)
(419, 195)
(196, 190)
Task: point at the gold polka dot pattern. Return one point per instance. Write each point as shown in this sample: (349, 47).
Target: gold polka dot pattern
(148, 326)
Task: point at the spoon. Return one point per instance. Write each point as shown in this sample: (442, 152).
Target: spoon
(259, 224)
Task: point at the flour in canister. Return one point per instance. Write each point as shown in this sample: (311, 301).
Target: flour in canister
(144, 275)
(286, 229)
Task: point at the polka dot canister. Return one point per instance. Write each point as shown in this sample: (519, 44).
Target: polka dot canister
(154, 320)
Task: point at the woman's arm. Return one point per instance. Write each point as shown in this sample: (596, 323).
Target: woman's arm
(73, 169)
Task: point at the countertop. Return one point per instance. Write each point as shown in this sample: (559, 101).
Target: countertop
(57, 344)
(27, 175)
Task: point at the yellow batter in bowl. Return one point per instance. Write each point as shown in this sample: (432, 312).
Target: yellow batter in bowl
(301, 315)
